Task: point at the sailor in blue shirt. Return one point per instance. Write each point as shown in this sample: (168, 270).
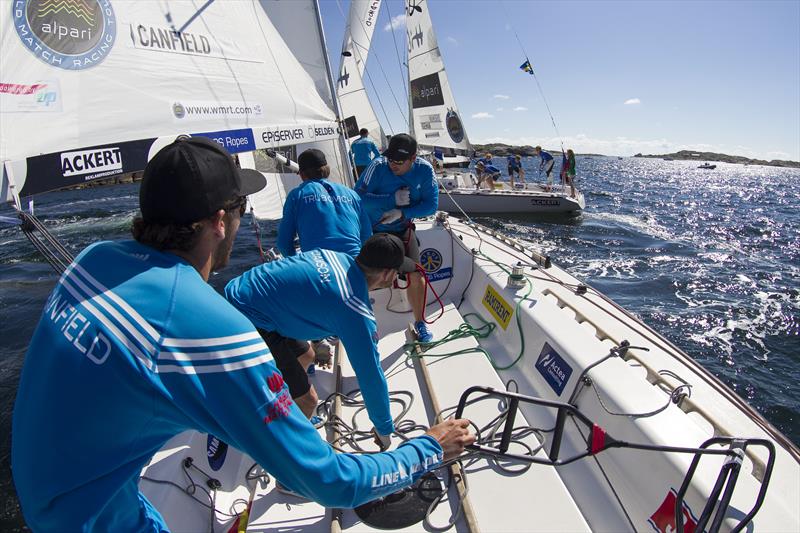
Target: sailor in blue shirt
(322, 213)
(395, 189)
(546, 164)
(317, 294)
(134, 347)
(363, 151)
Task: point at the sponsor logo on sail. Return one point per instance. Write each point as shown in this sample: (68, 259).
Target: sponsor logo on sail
(454, 127)
(91, 164)
(39, 96)
(497, 306)
(426, 91)
(68, 34)
(168, 40)
(415, 39)
(178, 110)
(234, 141)
(372, 12)
(663, 520)
(412, 7)
(553, 368)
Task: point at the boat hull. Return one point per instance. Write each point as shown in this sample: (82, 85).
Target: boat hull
(507, 201)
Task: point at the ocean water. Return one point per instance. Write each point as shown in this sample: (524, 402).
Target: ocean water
(708, 258)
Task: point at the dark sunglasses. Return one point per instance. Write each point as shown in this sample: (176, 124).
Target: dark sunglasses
(397, 162)
(240, 204)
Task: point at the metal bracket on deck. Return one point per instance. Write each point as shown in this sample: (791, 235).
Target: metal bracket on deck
(597, 440)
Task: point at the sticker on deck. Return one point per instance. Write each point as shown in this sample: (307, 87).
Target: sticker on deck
(663, 519)
(497, 306)
(555, 370)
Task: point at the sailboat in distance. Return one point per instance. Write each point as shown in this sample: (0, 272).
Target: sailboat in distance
(437, 125)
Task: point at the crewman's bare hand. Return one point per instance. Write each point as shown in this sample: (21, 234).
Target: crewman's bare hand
(453, 435)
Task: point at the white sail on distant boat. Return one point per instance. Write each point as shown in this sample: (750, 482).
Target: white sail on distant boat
(602, 397)
(356, 110)
(437, 125)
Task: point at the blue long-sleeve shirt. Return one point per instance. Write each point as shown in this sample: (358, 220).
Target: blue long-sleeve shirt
(377, 186)
(317, 294)
(324, 215)
(364, 151)
(134, 347)
(545, 157)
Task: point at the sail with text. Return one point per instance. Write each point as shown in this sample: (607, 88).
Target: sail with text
(436, 121)
(121, 82)
(357, 112)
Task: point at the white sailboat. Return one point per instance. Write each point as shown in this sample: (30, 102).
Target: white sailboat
(604, 418)
(437, 125)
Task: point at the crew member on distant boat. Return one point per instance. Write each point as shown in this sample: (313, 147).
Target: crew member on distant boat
(323, 214)
(546, 165)
(395, 189)
(135, 347)
(487, 174)
(571, 171)
(317, 294)
(515, 167)
(363, 151)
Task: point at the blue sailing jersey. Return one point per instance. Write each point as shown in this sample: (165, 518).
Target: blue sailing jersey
(545, 157)
(135, 347)
(364, 151)
(378, 184)
(324, 215)
(335, 301)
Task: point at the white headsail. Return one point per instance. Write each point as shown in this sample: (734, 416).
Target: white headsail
(357, 112)
(436, 120)
(86, 91)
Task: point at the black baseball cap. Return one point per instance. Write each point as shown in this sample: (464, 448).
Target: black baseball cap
(311, 159)
(191, 179)
(401, 146)
(383, 250)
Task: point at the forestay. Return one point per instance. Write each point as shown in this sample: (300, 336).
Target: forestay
(86, 93)
(436, 119)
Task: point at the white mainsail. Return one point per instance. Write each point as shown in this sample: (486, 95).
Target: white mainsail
(90, 103)
(357, 112)
(436, 121)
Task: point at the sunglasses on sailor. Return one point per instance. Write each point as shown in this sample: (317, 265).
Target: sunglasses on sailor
(240, 204)
(398, 162)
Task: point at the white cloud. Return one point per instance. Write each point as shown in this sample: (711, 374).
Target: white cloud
(499, 109)
(482, 114)
(501, 96)
(777, 155)
(397, 22)
(520, 108)
(632, 101)
(452, 40)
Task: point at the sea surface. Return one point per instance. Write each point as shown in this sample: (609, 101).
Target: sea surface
(708, 258)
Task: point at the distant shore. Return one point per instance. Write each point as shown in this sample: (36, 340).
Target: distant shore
(501, 149)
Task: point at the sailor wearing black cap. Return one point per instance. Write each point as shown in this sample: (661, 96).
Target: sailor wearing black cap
(322, 213)
(317, 294)
(396, 189)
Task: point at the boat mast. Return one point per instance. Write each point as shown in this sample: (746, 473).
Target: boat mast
(348, 179)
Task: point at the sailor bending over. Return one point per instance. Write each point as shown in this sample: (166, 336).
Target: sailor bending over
(323, 214)
(134, 347)
(395, 189)
(320, 293)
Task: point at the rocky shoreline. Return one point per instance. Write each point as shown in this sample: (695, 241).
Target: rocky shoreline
(501, 149)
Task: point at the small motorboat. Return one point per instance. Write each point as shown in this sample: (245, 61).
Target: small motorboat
(707, 166)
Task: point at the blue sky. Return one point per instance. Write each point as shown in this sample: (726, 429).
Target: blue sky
(620, 77)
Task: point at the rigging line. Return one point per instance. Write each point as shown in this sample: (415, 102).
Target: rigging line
(533, 72)
(356, 49)
(397, 52)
